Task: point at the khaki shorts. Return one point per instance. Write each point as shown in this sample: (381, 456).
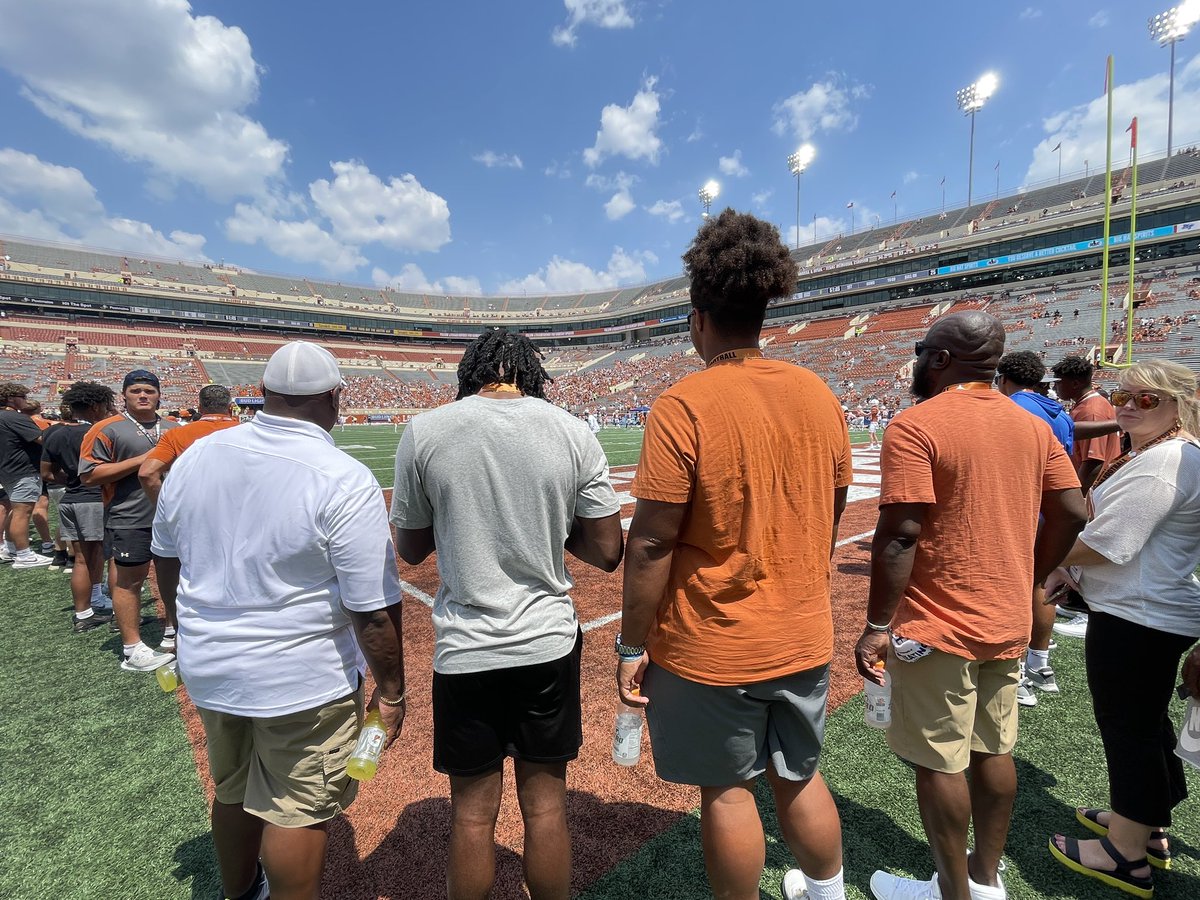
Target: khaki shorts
(287, 770)
(945, 707)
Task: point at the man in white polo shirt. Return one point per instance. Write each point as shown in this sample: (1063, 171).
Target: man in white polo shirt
(277, 546)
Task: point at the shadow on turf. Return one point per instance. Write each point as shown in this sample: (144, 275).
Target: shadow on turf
(410, 862)
(197, 860)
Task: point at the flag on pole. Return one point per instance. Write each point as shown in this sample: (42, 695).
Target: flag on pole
(943, 181)
(1057, 147)
(1132, 132)
(893, 195)
(997, 166)
(850, 205)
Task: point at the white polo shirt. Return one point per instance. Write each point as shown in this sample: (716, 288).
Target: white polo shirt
(276, 530)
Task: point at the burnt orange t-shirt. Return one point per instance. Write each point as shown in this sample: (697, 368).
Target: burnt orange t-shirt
(1094, 408)
(981, 463)
(174, 442)
(755, 447)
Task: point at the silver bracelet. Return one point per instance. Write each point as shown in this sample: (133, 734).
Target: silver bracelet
(880, 628)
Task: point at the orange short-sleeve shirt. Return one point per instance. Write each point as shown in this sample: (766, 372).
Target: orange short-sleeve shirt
(175, 441)
(755, 447)
(981, 463)
(1095, 408)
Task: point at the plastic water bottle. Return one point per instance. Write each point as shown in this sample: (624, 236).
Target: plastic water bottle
(168, 676)
(627, 735)
(879, 700)
(364, 761)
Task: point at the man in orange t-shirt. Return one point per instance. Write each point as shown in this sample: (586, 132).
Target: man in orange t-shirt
(743, 476)
(956, 555)
(216, 414)
(1074, 374)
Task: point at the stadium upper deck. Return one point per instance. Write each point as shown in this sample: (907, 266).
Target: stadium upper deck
(1049, 230)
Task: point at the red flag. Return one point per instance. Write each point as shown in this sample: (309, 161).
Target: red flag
(1132, 132)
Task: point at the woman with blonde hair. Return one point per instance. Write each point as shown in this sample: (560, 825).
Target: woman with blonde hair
(1134, 563)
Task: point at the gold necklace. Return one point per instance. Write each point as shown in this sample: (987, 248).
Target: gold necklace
(501, 387)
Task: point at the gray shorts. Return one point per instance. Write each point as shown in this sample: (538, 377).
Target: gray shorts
(715, 736)
(24, 490)
(81, 521)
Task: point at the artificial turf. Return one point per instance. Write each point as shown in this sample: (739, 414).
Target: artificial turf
(99, 795)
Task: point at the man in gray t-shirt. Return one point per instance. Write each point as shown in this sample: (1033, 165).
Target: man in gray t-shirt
(500, 483)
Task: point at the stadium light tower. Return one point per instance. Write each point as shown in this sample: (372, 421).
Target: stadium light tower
(708, 194)
(1171, 27)
(970, 101)
(797, 163)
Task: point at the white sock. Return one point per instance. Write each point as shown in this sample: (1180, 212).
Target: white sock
(131, 648)
(27, 553)
(86, 614)
(168, 632)
(10, 547)
(1036, 659)
(829, 889)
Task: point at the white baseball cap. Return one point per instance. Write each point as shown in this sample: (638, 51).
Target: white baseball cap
(299, 369)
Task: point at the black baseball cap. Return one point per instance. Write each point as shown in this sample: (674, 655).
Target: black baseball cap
(141, 376)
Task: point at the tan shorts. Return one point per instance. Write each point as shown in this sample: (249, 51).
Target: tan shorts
(287, 770)
(945, 707)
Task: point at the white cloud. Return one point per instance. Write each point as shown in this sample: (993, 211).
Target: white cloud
(412, 280)
(499, 160)
(556, 170)
(362, 209)
(563, 276)
(732, 165)
(671, 210)
(1081, 129)
(910, 176)
(760, 199)
(825, 106)
(628, 130)
(151, 81)
(619, 205)
(696, 134)
(600, 13)
(1029, 13)
(300, 240)
(57, 203)
(864, 218)
(1099, 19)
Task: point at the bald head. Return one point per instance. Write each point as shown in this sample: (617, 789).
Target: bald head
(973, 337)
(964, 346)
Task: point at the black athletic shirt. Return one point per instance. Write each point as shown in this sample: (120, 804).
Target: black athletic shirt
(61, 446)
(19, 436)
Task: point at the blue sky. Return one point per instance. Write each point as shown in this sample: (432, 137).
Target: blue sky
(541, 145)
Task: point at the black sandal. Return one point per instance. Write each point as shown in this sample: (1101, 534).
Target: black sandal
(1090, 819)
(1122, 877)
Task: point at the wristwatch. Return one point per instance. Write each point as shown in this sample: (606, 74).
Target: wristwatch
(629, 651)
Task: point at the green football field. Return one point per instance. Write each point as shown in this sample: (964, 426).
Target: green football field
(100, 797)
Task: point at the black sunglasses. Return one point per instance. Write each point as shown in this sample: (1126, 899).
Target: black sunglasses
(920, 347)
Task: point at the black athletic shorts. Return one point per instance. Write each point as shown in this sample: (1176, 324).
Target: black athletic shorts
(528, 712)
(130, 546)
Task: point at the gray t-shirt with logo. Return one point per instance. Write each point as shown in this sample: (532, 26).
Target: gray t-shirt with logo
(501, 482)
(117, 439)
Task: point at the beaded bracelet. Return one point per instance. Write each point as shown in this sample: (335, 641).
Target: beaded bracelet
(399, 701)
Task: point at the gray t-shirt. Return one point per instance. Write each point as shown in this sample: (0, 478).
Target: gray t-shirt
(501, 482)
(1147, 525)
(117, 439)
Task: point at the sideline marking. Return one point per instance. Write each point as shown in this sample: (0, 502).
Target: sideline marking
(855, 539)
(417, 592)
(603, 620)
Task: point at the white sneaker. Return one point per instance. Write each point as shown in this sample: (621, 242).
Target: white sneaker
(167, 644)
(886, 886)
(794, 885)
(1043, 679)
(1076, 627)
(985, 892)
(143, 659)
(31, 561)
(6, 555)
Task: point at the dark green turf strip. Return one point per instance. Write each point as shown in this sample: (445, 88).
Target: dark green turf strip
(1060, 765)
(99, 796)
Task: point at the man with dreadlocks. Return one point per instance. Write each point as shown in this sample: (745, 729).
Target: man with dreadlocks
(500, 483)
